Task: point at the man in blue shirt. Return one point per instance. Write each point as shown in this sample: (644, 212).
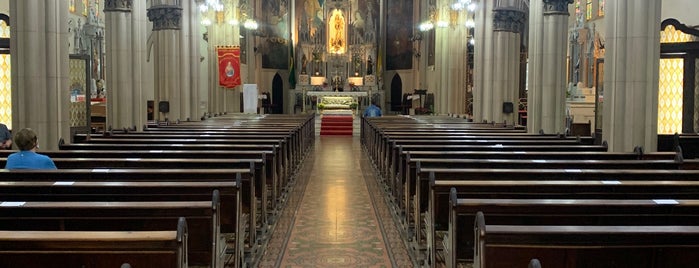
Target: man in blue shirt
(27, 158)
(372, 110)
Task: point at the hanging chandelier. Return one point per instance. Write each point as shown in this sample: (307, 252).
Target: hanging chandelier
(223, 11)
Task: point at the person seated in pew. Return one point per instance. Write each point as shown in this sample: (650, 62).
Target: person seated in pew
(27, 158)
(5, 137)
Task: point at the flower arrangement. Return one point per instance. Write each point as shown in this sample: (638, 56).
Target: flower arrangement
(353, 105)
(321, 105)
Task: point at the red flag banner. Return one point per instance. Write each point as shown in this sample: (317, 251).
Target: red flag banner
(228, 66)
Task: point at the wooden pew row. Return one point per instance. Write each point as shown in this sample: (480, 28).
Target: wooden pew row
(276, 144)
(417, 187)
(389, 161)
(393, 179)
(554, 174)
(167, 181)
(689, 142)
(437, 218)
(389, 149)
(601, 212)
(585, 246)
(203, 218)
(250, 183)
(406, 172)
(297, 139)
(293, 140)
(95, 248)
(231, 220)
(159, 149)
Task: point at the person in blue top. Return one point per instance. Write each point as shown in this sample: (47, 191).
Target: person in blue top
(372, 110)
(5, 137)
(27, 158)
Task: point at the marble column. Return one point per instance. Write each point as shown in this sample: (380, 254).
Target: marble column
(167, 24)
(451, 65)
(142, 79)
(498, 80)
(547, 65)
(121, 98)
(630, 109)
(39, 49)
(224, 100)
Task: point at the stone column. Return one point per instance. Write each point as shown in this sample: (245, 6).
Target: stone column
(167, 24)
(451, 67)
(39, 49)
(499, 78)
(547, 65)
(482, 63)
(224, 100)
(121, 98)
(142, 80)
(630, 109)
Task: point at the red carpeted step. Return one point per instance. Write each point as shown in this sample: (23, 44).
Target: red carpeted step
(336, 125)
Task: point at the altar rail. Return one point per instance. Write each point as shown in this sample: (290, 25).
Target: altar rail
(305, 100)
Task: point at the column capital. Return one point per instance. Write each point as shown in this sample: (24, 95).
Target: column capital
(509, 20)
(118, 5)
(165, 17)
(556, 7)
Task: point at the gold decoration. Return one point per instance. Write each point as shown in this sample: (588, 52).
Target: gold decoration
(670, 92)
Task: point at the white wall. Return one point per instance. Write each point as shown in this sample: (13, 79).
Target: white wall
(5, 7)
(683, 10)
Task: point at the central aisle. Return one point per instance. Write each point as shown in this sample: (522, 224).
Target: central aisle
(337, 222)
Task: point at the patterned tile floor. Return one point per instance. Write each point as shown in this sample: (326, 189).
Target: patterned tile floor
(339, 218)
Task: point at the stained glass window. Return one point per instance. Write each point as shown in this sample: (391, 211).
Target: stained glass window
(600, 8)
(588, 10)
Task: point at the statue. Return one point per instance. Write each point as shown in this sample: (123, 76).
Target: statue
(304, 63)
(369, 66)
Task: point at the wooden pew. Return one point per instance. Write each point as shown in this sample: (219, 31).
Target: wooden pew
(203, 219)
(406, 174)
(419, 187)
(231, 219)
(561, 212)
(167, 248)
(277, 161)
(437, 218)
(163, 179)
(509, 245)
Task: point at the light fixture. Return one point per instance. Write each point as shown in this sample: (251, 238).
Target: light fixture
(250, 24)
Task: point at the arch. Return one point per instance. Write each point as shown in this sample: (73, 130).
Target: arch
(277, 94)
(5, 42)
(396, 93)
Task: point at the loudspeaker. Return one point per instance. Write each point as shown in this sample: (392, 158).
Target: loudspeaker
(164, 106)
(507, 107)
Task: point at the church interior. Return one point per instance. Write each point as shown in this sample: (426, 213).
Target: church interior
(351, 133)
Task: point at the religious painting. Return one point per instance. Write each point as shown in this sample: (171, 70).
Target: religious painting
(364, 18)
(275, 45)
(399, 28)
(337, 34)
(310, 20)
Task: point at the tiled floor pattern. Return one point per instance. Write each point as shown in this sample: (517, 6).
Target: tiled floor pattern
(337, 222)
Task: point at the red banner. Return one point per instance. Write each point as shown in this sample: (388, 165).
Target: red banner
(228, 66)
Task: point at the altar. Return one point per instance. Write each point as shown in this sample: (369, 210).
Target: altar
(337, 100)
